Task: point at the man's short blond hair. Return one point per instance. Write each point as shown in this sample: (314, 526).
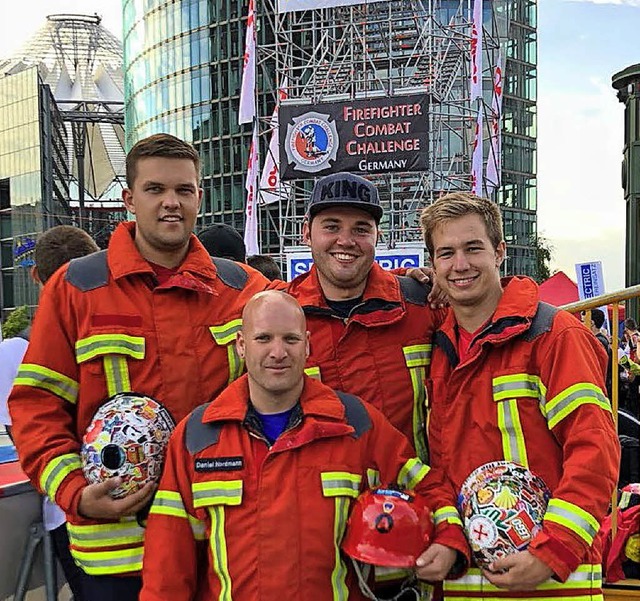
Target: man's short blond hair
(458, 204)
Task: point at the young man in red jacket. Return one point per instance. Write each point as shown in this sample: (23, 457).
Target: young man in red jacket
(370, 329)
(257, 484)
(153, 314)
(513, 379)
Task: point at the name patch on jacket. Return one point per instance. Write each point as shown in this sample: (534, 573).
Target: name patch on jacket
(219, 464)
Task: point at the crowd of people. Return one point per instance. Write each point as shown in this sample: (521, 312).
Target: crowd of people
(294, 398)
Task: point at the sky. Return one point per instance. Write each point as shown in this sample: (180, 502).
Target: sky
(581, 44)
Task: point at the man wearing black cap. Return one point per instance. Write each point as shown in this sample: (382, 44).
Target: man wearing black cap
(370, 329)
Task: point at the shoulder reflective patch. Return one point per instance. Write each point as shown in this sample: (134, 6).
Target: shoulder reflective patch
(413, 292)
(89, 272)
(230, 273)
(355, 412)
(198, 436)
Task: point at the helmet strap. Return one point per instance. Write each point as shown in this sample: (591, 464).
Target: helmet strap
(363, 571)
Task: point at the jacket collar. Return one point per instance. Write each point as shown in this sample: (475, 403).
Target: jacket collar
(233, 403)
(516, 308)
(125, 259)
(381, 285)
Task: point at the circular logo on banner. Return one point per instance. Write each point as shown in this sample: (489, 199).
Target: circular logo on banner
(311, 142)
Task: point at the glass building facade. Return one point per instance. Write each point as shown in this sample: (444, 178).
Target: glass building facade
(183, 70)
(20, 184)
(56, 153)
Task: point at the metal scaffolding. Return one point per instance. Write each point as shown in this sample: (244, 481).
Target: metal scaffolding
(373, 50)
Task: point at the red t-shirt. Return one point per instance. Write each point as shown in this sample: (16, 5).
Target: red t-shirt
(464, 342)
(163, 274)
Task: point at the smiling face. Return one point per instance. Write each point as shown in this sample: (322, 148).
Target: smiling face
(466, 264)
(165, 198)
(343, 242)
(274, 343)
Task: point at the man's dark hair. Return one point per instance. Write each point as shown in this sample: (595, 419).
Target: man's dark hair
(221, 240)
(58, 246)
(630, 324)
(159, 145)
(266, 265)
(597, 317)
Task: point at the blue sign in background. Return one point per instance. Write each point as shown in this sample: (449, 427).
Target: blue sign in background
(299, 263)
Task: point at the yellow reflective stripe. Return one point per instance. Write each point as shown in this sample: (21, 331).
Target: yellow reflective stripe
(109, 562)
(448, 514)
(236, 363)
(340, 484)
(217, 492)
(383, 574)
(57, 470)
(313, 372)
(339, 572)
(586, 576)
(518, 385)
(573, 517)
(583, 393)
(226, 333)
(168, 502)
(417, 355)
(97, 536)
(109, 344)
(199, 528)
(116, 371)
(373, 478)
(218, 546)
(412, 472)
(513, 445)
(37, 376)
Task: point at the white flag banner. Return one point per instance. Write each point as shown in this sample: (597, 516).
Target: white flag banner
(271, 188)
(247, 111)
(289, 6)
(476, 159)
(476, 51)
(251, 211)
(494, 162)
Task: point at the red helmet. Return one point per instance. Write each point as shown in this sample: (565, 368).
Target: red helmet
(126, 437)
(388, 527)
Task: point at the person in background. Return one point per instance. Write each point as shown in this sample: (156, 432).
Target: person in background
(513, 379)
(266, 265)
(154, 314)
(221, 240)
(258, 483)
(54, 248)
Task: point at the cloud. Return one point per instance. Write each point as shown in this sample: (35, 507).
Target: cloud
(581, 208)
(616, 2)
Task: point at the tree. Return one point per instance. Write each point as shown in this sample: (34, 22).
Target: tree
(543, 250)
(16, 322)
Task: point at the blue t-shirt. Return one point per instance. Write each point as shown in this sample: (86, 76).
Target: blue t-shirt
(274, 424)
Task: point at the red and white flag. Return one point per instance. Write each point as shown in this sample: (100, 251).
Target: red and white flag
(251, 211)
(271, 188)
(476, 51)
(476, 159)
(247, 111)
(494, 161)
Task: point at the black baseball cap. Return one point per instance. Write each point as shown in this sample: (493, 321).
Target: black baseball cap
(221, 240)
(345, 190)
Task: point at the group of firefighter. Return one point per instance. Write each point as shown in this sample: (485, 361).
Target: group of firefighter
(347, 392)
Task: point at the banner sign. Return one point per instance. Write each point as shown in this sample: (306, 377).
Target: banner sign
(590, 279)
(378, 135)
(299, 262)
(289, 6)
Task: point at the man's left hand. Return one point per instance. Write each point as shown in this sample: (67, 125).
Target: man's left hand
(424, 275)
(518, 572)
(435, 563)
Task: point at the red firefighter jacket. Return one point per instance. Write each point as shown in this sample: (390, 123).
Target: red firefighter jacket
(272, 518)
(103, 327)
(381, 353)
(530, 391)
